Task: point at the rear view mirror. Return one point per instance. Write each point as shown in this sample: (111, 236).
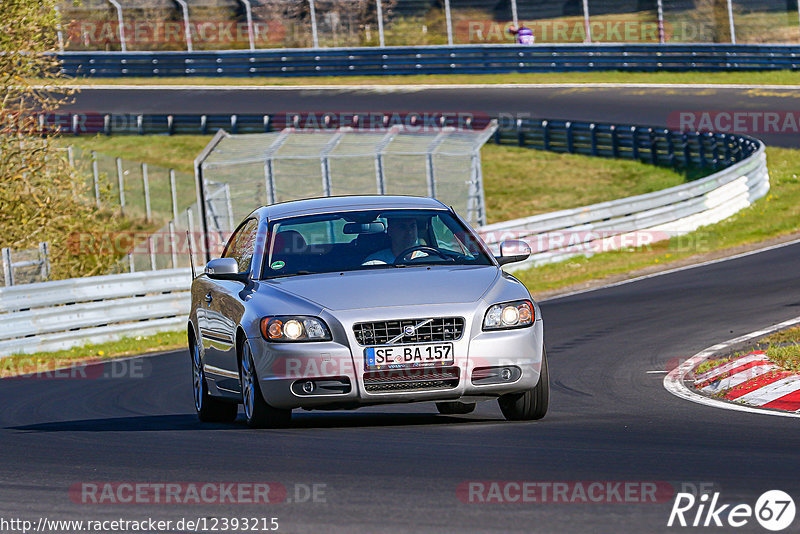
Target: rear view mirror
(375, 227)
(225, 269)
(512, 251)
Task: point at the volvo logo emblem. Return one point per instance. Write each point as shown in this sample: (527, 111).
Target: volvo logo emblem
(408, 330)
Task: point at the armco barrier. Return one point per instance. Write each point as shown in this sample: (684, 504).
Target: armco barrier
(642, 219)
(57, 315)
(463, 59)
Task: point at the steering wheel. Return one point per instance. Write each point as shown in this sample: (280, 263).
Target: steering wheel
(422, 248)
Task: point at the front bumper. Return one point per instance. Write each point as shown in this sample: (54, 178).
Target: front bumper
(338, 371)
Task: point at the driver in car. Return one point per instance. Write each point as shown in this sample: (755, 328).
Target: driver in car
(403, 234)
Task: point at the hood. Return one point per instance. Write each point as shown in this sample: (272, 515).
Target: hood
(379, 288)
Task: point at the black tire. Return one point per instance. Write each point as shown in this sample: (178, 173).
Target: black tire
(455, 407)
(528, 405)
(209, 409)
(258, 413)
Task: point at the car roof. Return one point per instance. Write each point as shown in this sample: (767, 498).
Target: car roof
(314, 206)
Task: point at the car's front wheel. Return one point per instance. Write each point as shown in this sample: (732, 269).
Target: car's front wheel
(259, 414)
(209, 409)
(531, 404)
(455, 407)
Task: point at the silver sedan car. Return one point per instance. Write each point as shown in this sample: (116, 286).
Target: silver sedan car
(343, 302)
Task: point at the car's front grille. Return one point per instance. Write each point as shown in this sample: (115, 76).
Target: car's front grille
(431, 330)
(411, 379)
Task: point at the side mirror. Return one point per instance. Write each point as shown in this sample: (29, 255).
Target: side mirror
(512, 251)
(225, 269)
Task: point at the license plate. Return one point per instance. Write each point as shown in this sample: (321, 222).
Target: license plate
(408, 356)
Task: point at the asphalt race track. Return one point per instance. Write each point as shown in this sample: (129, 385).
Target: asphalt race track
(397, 469)
(654, 106)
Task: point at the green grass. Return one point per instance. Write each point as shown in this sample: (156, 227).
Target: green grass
(783, 77)
(518, 180)
(787, 356)
(44, 362)
(792, 335)
(175, 151)
(710, 364)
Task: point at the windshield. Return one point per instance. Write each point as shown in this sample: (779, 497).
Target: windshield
(350, 241)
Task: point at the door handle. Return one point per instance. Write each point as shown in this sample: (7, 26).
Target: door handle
(209, 298)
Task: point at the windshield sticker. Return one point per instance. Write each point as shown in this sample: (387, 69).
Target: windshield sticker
(277, 265)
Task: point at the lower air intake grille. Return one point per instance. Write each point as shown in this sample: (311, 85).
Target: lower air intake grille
(411, 379)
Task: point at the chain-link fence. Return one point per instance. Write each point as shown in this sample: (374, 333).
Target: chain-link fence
(25, 266)
(138, 190)
(242, 172)
(255, 24)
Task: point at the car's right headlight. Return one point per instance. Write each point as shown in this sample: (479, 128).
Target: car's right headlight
(508, 315)
(289, 328)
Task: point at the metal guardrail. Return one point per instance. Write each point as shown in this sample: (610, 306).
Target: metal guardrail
(462, 59)
(57, 315)
(638, 220)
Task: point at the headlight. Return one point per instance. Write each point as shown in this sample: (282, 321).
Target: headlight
(507, 315)
(287, 328)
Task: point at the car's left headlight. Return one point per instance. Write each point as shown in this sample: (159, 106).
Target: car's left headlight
(289, 328)
(507, 315)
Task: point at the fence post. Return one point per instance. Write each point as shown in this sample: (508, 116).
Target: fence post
(122, 42)
(250, 34)
(614, 141)
(44, 258)
(190, 237)
(269, 181)
(174, 193)
(172, 252)
(593, 131)
(185, 10)
(514, 17)
(8, 270)
(546, 134)
(146, 187)
(59, 31)
(586, 25)
(314, 36)
(635, 143)
(687, 151)
(570, 138)
(229, 205)
(70, 156)
(730, 22)
(662, 38)
(131, 266)
(152, 252)
(449, 22)
(670, 147)
(381, 38)
(121, 182)
(653, 147)
(520, 133)
(96, 178)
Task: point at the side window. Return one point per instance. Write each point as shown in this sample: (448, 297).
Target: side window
(242, 245)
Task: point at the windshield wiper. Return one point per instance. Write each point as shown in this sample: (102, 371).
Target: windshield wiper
(298, 273)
